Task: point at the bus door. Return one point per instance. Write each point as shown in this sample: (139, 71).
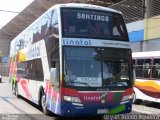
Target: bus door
(35, 75)
(30, 68)
(55, 77)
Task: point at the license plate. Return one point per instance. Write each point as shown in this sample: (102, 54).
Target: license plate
(102, 111)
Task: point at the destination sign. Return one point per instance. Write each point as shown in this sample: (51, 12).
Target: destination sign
(95, 17)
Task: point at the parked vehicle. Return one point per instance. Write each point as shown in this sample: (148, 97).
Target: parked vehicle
(147, 69)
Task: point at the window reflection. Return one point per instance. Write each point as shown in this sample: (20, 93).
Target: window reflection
(89, 69)
(31, 70)
(92, 23)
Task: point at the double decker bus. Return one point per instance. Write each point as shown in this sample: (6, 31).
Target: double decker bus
(147, 69)
(58, 61)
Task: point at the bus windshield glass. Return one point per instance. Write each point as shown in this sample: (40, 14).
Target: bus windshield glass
(86, 23)
(97, 68)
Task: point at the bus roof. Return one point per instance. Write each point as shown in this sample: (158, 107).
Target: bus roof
(150, 54)
(87, 6)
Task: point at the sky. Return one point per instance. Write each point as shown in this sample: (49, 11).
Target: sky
(14, 6)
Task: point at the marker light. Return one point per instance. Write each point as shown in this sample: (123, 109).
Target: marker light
(128, 97)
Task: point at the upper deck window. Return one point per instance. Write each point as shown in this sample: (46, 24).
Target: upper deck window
(86, 23)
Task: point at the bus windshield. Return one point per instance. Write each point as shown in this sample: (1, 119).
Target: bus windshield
(96, 24)
(100, 68)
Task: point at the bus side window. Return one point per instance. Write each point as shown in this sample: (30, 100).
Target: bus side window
(146, 68)
(38, 70)
(117, 26)
(134, 63)
(139, 68)
(52, 30)
(156, 68)
(143, 68)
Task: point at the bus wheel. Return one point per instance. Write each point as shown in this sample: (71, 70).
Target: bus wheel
(17, 95)
(136, 101)
(44, 104)
(15, 90)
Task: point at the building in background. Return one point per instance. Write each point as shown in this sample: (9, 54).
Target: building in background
(143, 23)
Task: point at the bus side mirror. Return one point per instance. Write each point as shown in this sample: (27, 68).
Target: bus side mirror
(134, 77)
(53, 75)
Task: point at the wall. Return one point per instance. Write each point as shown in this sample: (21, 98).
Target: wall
(136, 31)
(144, 35)
(152, 28)
(4, 47)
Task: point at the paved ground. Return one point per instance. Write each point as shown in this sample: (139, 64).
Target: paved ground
(12, 108)
(12, 104)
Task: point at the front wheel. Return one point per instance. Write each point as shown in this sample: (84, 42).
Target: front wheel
(44, 104)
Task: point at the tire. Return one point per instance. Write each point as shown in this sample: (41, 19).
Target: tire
(15, 90)
(44, 104)
(17, 95)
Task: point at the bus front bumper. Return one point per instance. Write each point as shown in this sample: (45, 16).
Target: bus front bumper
(93, 109)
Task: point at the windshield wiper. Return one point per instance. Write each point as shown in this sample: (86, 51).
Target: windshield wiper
(118, 82)
(80, 83)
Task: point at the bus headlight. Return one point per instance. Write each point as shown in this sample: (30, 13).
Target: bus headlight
(128, 97)
(72, 99)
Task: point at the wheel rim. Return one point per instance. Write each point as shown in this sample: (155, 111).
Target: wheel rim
(16, 90)
(43, 101)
